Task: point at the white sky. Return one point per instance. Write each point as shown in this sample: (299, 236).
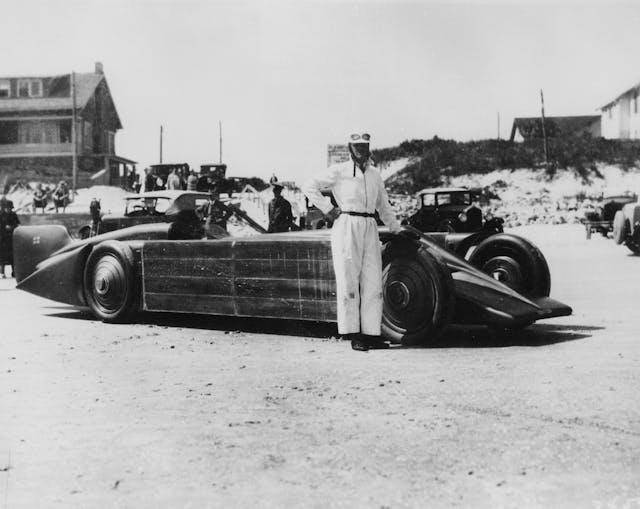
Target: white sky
(287, 78)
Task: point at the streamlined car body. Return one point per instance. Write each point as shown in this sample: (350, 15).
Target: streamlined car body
(286, 276)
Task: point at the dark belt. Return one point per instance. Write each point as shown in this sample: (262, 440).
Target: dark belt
(359, 214)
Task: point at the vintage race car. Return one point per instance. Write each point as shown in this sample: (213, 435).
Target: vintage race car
(157, 267)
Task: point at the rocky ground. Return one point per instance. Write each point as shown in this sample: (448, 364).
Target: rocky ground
(184, 411)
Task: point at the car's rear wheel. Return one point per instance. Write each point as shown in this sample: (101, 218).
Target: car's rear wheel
(619, 227)
(418, 295)
(514, 261)
(110, 286)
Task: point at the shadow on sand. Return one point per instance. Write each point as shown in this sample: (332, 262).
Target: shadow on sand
(456, 336)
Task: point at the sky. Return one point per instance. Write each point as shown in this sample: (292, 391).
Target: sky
(288, 78)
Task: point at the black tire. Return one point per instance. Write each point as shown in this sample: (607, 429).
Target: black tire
(84, 232)
(620, 228)
(418, 295)
(514, 261)
(633, 246)
(110, 283)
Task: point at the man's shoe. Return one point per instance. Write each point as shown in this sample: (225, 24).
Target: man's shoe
(359, 344)
(375, 342)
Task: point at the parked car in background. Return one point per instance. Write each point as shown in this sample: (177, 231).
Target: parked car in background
(600, 220)
(626, 227)
(149, 207)
(451, 209)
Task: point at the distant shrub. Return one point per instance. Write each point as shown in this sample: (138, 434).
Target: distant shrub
(437, 158)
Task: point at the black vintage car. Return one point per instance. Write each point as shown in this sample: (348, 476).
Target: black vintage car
(149, 207)
(600, 219)
(451, 209)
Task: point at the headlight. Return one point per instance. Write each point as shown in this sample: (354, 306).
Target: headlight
(463, 217)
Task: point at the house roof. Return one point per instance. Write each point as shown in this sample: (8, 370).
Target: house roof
(635, 88)
(86, 84)
(532, 126)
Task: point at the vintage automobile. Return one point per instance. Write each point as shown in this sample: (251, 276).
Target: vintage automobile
(600, 219)
(626, 227)
(451, 209)
(148, 207)
(158, 267)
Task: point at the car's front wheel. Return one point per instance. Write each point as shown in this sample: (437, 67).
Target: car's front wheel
(418, 295)
(110, 286)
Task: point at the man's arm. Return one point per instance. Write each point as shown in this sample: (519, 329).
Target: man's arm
(383, 207)
(314, 187)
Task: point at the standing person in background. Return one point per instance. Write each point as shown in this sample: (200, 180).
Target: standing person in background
(8, 222)
(149, 180)
(173, 181)
(61, 196)
(216, 215)
(96, 216)
(39, 198)
(280, 215)
(192, 181)
(359, 192)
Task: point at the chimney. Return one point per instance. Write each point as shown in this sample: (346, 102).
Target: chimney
(99, 68)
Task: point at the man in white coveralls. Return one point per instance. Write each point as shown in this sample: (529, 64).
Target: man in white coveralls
(359, 191)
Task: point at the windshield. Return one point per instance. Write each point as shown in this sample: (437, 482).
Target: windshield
(453, 199)
(157, 205)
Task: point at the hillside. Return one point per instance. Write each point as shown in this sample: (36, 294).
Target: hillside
(516, 183)
(433, 162)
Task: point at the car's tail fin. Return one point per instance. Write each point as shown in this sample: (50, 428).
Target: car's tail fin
(32, 244)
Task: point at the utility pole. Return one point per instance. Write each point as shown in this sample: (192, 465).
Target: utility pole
(498, 125)
(74, 135)
(161, 144)
(544, 131)
(220, 138)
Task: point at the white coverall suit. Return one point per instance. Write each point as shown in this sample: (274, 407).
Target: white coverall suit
(355, 245)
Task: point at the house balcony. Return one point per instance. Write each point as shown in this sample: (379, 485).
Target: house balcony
(36, 149)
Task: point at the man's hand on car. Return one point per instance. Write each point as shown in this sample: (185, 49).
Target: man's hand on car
(333, 214)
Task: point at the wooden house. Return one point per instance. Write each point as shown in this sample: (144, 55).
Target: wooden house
(620, 117)
(526, 128)
(36, 117)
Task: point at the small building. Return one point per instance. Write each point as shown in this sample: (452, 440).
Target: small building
(526, 128)
(36, 115)
(337, 154)
(620, 117)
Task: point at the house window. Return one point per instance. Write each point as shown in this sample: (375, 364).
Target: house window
(8, 133)
(35, 89)
(65, 131)
(5, 88)
(110, 143)
(29, 88)
(23, 88)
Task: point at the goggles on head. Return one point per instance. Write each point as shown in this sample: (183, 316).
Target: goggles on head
(359, 138)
